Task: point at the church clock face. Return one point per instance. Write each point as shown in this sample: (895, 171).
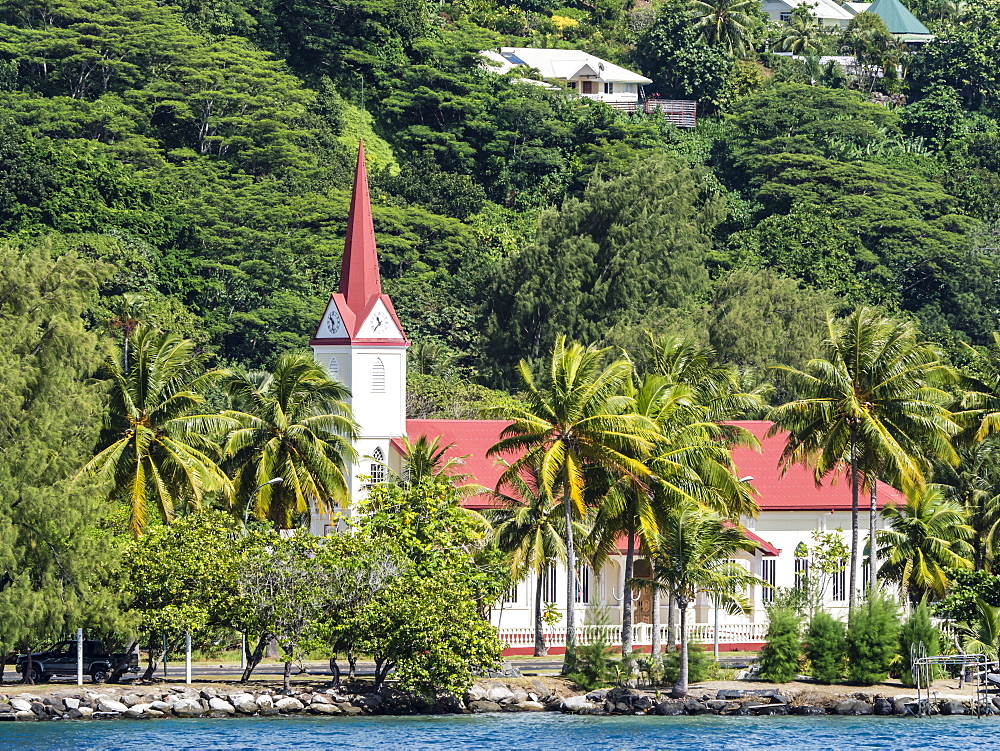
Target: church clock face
(333, 322)
(380, 322)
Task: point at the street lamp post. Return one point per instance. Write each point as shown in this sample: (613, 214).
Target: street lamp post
(246, 511)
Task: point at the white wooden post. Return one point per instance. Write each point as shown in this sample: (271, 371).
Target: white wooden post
(79, 657)
(187, 657)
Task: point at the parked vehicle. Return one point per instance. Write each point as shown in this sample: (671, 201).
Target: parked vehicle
(60, 660)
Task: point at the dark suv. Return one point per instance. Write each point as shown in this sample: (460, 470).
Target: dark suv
(60, 660)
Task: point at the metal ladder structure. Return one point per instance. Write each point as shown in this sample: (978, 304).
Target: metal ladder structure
(975, 665)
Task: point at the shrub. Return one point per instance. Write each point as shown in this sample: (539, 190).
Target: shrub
(594, 667)
(917, 629)
(779, 659)
(872, 639)
(825, 647)
(701, 666)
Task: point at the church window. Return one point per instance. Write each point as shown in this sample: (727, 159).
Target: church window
(801, 573)
(378, 466)
(511, 595)
(583, 584)
(378, 377)
(767, 572)
(550, 590)
(840, 585)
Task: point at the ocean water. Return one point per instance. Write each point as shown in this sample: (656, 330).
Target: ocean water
(541, 732)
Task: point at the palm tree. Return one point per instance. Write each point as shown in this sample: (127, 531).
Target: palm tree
(148, 453)
(425, 460)
(691, 462)
(926, 536)
(292, 423)
(693, 554)
(804, 34)
(577, 418)
(870, 402)
(975, 485)
(726, 23)
(530, 528)
(982, 634)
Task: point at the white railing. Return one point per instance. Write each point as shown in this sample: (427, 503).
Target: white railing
(642, 634)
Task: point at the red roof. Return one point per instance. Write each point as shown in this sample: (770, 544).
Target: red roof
(796, 490)
(473, 437)
(766, 547)
(360, 281)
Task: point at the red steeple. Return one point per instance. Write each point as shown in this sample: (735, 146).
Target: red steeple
(359, 313)
(359, 277)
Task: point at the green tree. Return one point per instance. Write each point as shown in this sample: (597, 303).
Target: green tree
(867, 38)
(870, 402)
(530, 530)
(53, 562)
(294, 424)
(804, 34)
(826, 647)
(668, 51)
(148, 454)
(925, 538)
(726, 23)
(630, 245)
(576, 418)
(917, 630)
(780, 655)
(692, 554)
(872, 639)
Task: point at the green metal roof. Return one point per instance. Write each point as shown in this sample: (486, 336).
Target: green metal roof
(898, 18)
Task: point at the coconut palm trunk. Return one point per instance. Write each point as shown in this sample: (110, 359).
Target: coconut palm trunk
(627, 594)
(872, 551)
(569, 660)
(654, 646)
(540, 649)
(852, 592)
(681, 685)
(671, 623)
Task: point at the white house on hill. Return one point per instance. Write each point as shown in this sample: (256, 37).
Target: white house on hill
(827, 12)
(361, 341)
(586, 74)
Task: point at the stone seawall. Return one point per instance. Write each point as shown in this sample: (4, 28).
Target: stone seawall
(516, 695)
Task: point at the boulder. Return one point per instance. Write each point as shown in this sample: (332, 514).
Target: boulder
(853, 707)
(717, 704)
(669, 708)
(39, 709)
(520, 695)
(134, 713)
(574, 703)
(320, 699)
(476, 692)
(779, 699)
(544, 692)
(20, 705)
(532, 706)
(768, 709)
(106, 715)
(265, 702)
(71, 702)
(130, 700)
(899, 705)
(55, 703)
(208, 693)
(288, 704)
(25, 714)
(350, 710)
(499, 693)
(85, 712)
(883, 707)
(159, 706)
(952, 707)
(598, 695)
(696, 707)
(6, 709)
(185, 707)
(808, 710)
(218, 704)
(329, 709)
(642, 702)
(484, 705)
(155, 713)
(110, 705)
(368, 701)
(244, 703)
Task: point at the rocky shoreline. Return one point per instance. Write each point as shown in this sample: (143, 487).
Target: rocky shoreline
(521, 695)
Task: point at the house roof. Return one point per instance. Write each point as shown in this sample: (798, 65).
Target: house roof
(795, 490)
(823, 9)
(898, 18)
(562, 64)
(472, 437)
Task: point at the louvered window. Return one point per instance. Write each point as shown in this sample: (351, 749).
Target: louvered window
(378, 377)
(334, 368)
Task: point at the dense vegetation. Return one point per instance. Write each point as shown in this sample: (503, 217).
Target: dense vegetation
(174, 182)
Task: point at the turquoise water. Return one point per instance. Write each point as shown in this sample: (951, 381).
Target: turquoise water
(543, 732)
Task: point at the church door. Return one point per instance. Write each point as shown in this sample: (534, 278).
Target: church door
(642, 609)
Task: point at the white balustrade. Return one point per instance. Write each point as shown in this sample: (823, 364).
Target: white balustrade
(642, 634)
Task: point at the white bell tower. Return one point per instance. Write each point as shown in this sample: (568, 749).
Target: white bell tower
(361, 341)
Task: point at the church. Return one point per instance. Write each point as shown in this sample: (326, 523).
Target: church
(361, 341)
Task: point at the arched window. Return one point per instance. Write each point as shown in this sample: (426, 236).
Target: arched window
(378, 377)
(377, 466)
(334, 368)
